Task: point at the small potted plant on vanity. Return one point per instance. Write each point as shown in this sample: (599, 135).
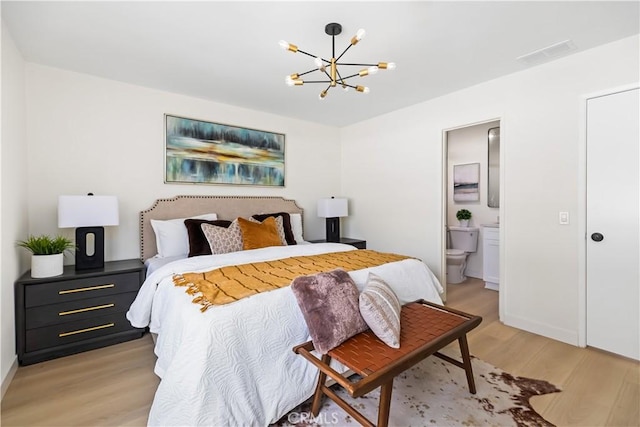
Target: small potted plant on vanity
(47, 254)
(463, 216)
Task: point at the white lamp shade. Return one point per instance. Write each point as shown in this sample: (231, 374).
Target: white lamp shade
(332, 208)
(87, 211)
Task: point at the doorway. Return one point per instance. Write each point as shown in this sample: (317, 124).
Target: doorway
(466, 150)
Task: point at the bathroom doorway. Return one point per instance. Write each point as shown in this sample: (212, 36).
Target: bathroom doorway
(471, 176)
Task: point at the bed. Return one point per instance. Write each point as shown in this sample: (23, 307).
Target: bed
(233, 364)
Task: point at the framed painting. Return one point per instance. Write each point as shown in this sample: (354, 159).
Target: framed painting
(200, 152)
(465, 182)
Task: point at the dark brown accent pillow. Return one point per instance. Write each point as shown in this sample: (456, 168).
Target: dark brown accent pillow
(329, 304)
(286, 223)
(198, 244)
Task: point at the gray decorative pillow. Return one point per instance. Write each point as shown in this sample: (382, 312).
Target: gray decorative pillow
(223, 240)
(329, 304)
(380, 308)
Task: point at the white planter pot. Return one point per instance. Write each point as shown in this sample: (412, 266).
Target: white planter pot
(464, 222)
(46, 265)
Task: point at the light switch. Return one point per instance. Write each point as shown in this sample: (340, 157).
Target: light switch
(564, 218)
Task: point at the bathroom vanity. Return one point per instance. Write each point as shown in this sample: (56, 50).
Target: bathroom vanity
(491, 256)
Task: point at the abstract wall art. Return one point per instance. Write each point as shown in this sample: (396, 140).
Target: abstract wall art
(465, 182)
(201, 152)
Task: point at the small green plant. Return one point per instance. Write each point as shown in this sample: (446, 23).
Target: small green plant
(463, 214)
(46, 245)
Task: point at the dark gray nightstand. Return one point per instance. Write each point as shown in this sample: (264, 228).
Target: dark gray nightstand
(360, 244)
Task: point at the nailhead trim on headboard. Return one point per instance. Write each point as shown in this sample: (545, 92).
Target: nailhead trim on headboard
(272, 203)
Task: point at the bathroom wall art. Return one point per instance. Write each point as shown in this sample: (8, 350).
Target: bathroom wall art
(465, 182)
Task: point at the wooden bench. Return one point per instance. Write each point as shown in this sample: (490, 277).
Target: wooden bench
(425, 328)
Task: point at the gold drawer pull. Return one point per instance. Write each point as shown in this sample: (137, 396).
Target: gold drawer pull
(80, 331)
(91, 288)
(82, 310)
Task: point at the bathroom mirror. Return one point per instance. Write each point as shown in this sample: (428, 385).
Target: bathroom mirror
(493, 179)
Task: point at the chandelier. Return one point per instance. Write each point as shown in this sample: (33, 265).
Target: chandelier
(329, 67)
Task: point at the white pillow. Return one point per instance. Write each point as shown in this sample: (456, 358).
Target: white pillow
(380, 309)
(296, 226)
(172, 238)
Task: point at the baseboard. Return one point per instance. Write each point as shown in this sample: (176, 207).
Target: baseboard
(7, 380)
(477, 274)
(558, 334)
(492, 286)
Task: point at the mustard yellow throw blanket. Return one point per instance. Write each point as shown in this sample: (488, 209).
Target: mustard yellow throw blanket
(232, 283)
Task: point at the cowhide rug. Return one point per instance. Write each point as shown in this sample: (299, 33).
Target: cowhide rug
(435, 393)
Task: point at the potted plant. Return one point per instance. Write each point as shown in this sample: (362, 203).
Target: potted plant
(463, 216)
(48, 254)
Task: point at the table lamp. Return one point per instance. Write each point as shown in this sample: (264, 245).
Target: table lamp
(332, 209)
(89, 214)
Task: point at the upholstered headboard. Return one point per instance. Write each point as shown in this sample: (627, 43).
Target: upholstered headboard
(226, 207)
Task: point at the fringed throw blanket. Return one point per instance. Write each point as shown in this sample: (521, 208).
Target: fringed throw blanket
(232, 283)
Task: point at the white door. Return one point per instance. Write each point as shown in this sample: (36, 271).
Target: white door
(613, 229)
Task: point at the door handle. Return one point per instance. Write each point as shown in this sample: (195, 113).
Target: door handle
(597, 237)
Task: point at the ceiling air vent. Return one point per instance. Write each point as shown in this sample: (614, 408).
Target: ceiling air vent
(547, 53)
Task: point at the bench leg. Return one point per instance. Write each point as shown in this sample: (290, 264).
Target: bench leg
(385, 403)
(466, 361)
(317, 396)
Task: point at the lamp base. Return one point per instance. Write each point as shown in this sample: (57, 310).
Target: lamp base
(333, 230)
(90, 248)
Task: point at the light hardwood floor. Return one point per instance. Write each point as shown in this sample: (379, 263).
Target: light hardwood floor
(115, 385)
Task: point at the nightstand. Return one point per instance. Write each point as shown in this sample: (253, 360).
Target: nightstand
(76, 311)
(360, 244)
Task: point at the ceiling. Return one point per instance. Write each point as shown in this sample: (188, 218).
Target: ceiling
(228, 51)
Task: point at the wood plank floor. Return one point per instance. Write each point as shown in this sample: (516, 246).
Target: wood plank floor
(114, 386)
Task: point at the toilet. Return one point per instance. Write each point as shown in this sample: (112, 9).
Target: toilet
(462, 242)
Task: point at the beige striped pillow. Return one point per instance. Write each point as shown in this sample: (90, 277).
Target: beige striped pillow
(380, 309)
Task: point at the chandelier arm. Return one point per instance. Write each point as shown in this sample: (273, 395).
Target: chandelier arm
(317, 81)
(326, 74)
(343, 52)
(357, 65)
(305, 53)
(307, 72)
(348, 77)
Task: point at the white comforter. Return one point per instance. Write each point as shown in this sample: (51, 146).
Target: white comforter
(233, 364)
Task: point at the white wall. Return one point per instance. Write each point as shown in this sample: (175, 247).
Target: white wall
(392, 168)
(13, 181)
(470, 145)
(87, 134)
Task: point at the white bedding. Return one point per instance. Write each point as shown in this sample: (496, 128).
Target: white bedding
(154, 263)
(234, 364)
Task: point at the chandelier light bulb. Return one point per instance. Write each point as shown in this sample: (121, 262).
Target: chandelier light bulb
(345, 88)
(372, 70)
(360, 34)
(289, 81)
(366, 90)
(318, 62)
(391, 66)
(284, 45)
